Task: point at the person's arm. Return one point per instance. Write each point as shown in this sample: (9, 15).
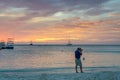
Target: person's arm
(80, 53)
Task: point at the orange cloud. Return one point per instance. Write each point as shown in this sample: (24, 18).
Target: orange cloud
(77, 30)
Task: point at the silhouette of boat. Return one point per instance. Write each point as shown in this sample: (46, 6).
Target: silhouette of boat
(2, 45)
(69, 43)
(31, 43)
(10, 44)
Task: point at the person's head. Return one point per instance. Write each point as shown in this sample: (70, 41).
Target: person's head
(80, 49)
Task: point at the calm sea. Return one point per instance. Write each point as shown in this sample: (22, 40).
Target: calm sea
(27, 57)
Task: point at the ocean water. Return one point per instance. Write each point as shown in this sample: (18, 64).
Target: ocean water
(51, 56)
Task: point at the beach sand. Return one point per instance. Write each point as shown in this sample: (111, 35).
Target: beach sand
(68, 76)
(36, 75)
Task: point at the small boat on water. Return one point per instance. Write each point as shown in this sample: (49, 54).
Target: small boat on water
(69, 44)
(31, 43)
(2, 45)
(10, 44)
(69, 41)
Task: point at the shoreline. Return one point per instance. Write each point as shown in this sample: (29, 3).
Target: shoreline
(104, 75)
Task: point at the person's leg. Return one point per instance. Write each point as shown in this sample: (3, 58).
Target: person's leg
(81, 70)
(76, 64)
(76, 69)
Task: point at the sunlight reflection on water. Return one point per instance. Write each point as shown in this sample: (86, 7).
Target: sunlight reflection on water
(54, 56)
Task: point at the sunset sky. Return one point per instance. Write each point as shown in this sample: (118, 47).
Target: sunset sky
(56, 21)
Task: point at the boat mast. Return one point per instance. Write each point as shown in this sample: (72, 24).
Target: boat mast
(69, 41)
(31, 43)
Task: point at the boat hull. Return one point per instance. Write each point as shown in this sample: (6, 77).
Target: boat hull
(9, 47)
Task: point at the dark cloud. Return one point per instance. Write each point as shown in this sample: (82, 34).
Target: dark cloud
(31, 4)
(53, 5)
(33, 7)
(49, 7)
(84, 2)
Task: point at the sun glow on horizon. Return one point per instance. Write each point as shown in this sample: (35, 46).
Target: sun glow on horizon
(52, 21)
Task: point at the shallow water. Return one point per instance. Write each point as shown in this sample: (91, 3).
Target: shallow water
(36, 57)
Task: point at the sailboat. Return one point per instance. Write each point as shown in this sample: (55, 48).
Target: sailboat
(10, 43)
(31, 43)
(2, 45)
(69, 42)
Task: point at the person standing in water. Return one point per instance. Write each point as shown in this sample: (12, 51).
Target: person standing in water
(78, 54)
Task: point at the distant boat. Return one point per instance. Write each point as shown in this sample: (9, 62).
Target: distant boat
(2, 45)
(10, 44)
(69, 43)
(31, 43)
